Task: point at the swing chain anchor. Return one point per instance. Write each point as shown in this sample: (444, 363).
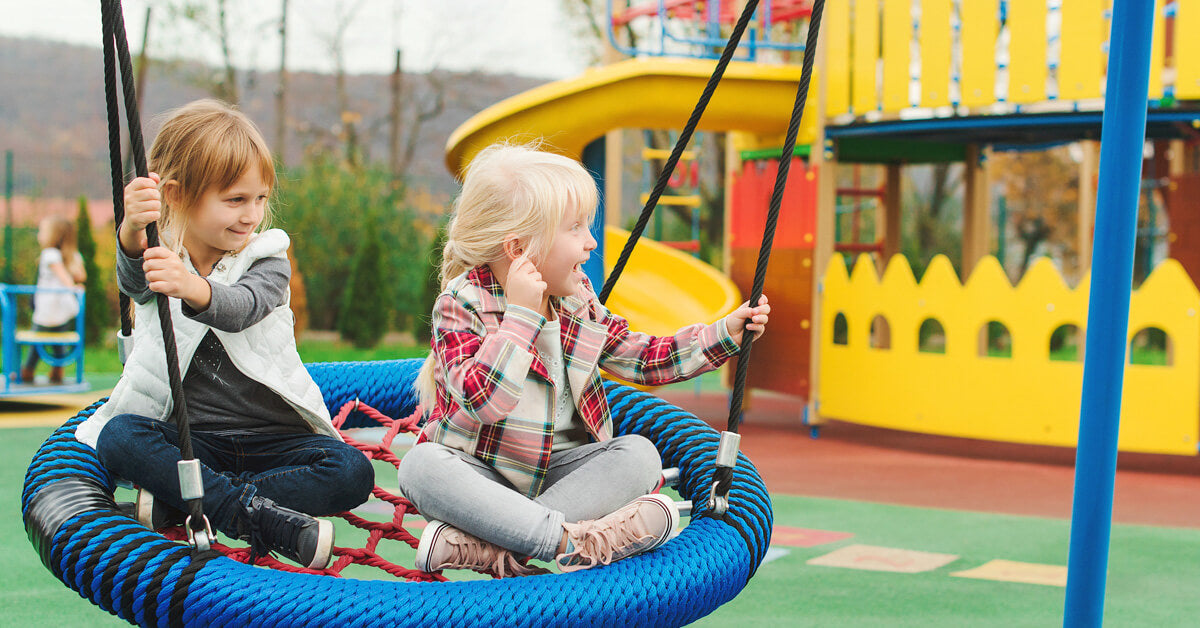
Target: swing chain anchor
(199, 539)
(191, 486)
(727, 453)
(124, 346)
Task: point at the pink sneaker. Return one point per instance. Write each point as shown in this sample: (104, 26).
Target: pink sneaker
(443, 546)
(639, 526)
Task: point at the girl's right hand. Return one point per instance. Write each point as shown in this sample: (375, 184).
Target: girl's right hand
(143, 205)
(525, 286)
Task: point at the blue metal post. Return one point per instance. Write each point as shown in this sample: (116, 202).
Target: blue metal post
(1108, 309)
(593, 159)
(9, 357)
(8, 232)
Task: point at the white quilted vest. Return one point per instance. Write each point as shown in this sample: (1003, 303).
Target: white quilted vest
(265, 351)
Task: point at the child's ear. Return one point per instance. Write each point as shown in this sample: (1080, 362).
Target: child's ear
(513, 247)
(170, 192)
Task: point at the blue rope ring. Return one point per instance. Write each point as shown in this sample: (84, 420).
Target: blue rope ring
(140, 576)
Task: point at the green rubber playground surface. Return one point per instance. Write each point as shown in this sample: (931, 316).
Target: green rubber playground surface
(1154, 573)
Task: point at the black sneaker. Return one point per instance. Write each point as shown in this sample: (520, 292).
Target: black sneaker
(301, 538)
(154, 514)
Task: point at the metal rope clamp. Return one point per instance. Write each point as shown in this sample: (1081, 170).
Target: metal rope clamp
(124, 346)
(727, 453)
(191, 486)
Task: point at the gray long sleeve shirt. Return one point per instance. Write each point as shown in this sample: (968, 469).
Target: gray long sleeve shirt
(220, 398)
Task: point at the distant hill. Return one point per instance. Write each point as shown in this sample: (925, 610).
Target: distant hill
(52, 112)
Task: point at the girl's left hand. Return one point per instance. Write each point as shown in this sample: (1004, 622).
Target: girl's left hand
(746, 317)
(166, 274)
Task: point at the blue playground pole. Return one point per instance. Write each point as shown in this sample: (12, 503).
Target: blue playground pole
(1121, 141)
(593, 161)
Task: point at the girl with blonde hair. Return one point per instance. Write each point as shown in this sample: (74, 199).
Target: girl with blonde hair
(270, 456)
(60, 280)
(517, 459)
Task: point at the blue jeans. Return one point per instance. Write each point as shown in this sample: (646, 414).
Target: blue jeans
(582, 483)
(312, 473)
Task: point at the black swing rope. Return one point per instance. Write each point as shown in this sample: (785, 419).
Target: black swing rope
(115, 40)
(723, 475)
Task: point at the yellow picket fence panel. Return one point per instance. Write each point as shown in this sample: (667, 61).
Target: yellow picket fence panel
(837, 61)
(980, 27)
(866, 56)
(871, 45)
(897, 41)
(1187, 49)
(1025, 398)
(935, 53)
(1081, 70)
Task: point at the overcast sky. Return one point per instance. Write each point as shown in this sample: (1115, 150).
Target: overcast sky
(527, 37)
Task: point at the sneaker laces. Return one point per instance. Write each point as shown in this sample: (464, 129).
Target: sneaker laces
(277, 527)
(469, 552)
(597, 541)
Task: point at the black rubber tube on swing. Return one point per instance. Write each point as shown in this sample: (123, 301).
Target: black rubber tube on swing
(684, 137)
(114, 18)
(724, 475)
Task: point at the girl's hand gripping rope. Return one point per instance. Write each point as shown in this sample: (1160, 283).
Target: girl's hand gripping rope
(166, 274)
(751, 318)
(143, 205)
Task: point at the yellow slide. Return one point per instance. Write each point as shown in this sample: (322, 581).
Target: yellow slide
(661, 289)
(652, 93)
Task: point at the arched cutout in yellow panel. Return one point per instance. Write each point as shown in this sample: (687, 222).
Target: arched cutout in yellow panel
(1151, 346)
(1066, 344)
(932, 337)
(881, 333)
(995, 341)
(841, 330)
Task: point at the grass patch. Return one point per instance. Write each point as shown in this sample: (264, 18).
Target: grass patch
(341, 351)
(102, 365)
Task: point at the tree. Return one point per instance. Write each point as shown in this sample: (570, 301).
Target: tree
(587, 21)
(341, 18)
(324, 206)
(364, 312)
(935, 197)
(422, 326)
(1042, 188)
(213, 22)
(96, 315)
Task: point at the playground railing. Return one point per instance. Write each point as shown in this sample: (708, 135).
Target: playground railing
(699, 28)
(981, 53)
(13, 339)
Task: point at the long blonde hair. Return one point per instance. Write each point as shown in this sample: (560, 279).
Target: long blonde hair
(508, 189)
(205, 144)
(60, 233)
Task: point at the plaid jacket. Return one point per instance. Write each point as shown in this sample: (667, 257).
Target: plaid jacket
(494, 395)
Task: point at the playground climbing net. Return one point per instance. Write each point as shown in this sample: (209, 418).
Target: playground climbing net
(377, 531)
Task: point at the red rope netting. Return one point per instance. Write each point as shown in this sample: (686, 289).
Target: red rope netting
(377, 531)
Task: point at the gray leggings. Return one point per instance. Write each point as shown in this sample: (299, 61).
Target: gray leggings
(582, 483)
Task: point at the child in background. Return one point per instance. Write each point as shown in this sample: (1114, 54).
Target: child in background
(270, 455)
(60, 270)
(518, 459)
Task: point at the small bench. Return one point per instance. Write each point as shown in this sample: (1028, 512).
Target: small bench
(13, 342)
(31, 337)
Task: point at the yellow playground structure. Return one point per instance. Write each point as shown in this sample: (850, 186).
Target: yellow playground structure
(899, 83)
